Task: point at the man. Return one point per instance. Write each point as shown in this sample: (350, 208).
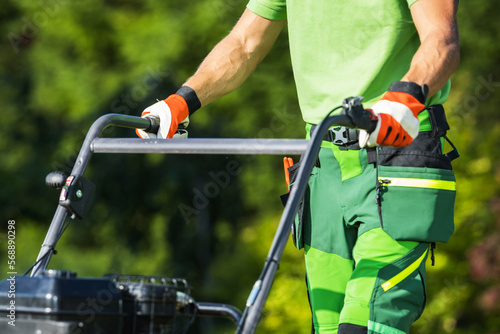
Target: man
(373, 208)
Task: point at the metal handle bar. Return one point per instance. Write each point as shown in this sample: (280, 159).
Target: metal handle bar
(199, 146)
(218, 310)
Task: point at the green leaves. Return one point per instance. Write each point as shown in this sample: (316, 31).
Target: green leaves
(66, 63)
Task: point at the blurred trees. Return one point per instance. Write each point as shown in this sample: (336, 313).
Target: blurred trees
(66, 63)
(463, 286)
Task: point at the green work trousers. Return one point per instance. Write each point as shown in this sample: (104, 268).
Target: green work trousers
(366, 239)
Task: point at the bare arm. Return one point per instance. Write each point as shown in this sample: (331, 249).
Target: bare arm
(231, 61)
(438, 55)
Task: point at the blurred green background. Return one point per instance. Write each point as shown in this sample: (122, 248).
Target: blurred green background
(65, 63)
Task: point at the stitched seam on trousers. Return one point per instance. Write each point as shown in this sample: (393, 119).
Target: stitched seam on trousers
(382, 329)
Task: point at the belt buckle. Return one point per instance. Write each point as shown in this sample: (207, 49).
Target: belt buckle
(339, 135)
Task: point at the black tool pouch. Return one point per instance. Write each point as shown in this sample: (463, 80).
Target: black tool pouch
(440, 127)
(438, 120)
(416, 185)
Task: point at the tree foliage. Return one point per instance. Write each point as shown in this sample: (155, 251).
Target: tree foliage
(65, 63)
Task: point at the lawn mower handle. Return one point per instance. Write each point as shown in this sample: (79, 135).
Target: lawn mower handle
(81, 163)
(260, 292)
(248, 322)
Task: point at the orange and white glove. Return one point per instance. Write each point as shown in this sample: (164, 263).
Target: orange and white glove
(397, 112)
(172, 112)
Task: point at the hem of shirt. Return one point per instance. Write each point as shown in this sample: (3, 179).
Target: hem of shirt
(266, 12)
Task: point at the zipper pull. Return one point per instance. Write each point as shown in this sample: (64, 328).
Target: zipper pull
(384, 182)
(381, 183)
(378, 187)
(433, 259)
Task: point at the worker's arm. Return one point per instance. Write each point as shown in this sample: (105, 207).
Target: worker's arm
(432, 65)
(438, 55)
(224, 69)
(232, 60)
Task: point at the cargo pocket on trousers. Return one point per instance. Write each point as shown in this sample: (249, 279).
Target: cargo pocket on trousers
(297, 224)
(416, 203)
(399, 295)
(303, 208)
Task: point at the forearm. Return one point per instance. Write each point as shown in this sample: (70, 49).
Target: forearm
(438, 55)
(433, 63)
(230, 63)
(226, 67)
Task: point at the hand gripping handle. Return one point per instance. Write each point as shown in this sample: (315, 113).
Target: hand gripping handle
(361, 118)
(154, 124)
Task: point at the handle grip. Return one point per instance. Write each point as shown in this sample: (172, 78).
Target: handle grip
(361, 118)
(154, 124)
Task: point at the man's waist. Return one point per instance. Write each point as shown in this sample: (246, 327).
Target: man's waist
(347, 139)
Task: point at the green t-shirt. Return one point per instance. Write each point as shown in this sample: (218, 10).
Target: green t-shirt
(346, 48)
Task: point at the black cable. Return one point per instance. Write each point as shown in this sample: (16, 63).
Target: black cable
(331, 111)
(191, 321)
(186, 326)
(39, 260)
(63, 229)
(51, 250)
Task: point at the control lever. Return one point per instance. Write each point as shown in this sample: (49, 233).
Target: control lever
(362, 118)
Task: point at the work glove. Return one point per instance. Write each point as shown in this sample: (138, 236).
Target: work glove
(397, 112)
(172, 112)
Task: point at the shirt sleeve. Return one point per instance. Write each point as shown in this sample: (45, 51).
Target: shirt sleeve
(411, 2)
(269, 9)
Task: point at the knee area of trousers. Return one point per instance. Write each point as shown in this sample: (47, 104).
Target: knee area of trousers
(347, 328)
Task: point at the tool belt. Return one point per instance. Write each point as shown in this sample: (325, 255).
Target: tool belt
(347, 139)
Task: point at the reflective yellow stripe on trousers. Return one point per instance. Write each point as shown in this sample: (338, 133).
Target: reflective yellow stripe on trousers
(417, 183)
(405, 273)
